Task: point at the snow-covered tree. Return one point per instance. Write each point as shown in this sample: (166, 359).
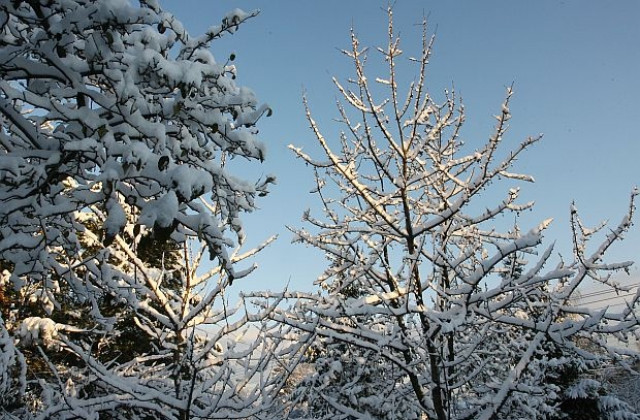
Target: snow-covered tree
(120, 222)
(341, 373)
(466, 328)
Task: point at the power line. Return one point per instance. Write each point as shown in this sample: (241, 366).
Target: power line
(610, 298)
(607, 291)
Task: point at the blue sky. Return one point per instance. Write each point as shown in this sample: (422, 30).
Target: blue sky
(574, 65)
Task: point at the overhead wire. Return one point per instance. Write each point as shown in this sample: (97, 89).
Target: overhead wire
(608, 291)
(610, 298)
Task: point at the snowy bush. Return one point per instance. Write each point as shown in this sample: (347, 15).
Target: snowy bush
(114, 187)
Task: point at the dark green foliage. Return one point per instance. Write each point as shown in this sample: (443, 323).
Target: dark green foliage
(158, 250)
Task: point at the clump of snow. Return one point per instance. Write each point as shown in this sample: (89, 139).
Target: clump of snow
(162, 211)
(233, 18)
(189, 183)
(36, 330)
(116, 218)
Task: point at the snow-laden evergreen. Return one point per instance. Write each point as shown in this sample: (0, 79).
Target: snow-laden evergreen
(114, 195)
(454, 316)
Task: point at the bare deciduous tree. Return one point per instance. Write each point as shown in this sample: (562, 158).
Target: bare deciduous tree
(406, 223)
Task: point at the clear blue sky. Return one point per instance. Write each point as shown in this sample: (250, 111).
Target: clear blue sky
(574, 65)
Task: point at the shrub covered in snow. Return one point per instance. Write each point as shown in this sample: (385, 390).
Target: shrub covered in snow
(116, 126)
